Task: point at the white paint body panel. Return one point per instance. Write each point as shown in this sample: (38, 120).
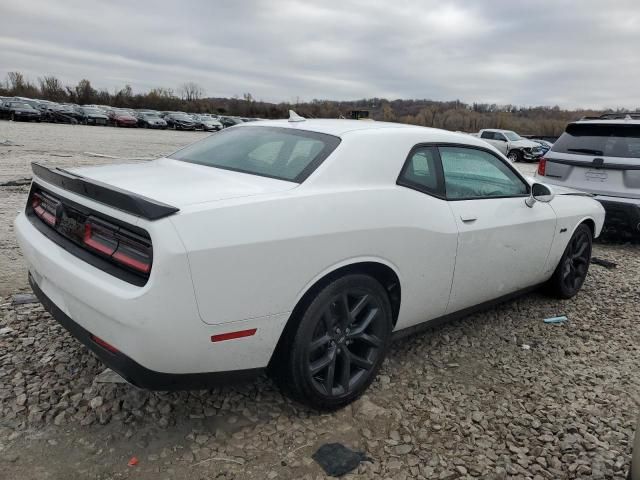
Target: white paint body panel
(244, 249)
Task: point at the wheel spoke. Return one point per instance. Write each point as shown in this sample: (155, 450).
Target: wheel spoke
(345, 371)
(360, 329)
(327, 319)
(323, 362)
(346, 319)
(369, 339)
(580, 250)
(319, 342)
(331, 372)
(360, 362)
(359, 306)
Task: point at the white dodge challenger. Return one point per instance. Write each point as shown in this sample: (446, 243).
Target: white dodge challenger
(298, 246)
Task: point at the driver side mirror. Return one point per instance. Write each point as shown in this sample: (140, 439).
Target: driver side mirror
(539, 193)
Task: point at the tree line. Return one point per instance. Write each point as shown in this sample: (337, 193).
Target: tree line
(191, 97)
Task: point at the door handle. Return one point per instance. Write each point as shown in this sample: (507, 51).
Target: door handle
(468, 218)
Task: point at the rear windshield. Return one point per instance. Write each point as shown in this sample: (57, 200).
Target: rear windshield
(600, 140)
(274, 152)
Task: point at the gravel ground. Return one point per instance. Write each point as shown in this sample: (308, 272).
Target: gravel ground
(496, 395)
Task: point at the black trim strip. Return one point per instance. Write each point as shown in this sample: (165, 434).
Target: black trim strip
(405, 332)
(594, 165)
(115, 197)
(131, 370)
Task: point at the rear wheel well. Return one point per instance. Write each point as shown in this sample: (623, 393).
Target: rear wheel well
(380, 272)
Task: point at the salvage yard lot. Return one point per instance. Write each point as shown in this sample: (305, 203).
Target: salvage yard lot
(463, 400)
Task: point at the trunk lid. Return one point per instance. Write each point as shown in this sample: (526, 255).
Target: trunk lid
(180, 183)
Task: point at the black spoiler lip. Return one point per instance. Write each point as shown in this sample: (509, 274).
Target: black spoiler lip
(115, 197)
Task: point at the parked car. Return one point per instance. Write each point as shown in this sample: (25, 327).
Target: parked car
(180, 121)
(299, 246)
(57, 113)
(18, 110)
(600, 156)
(151, 120)
(207, 123)
(92, 116)
(545, 145)
(122, 118)
(511, 144)
(229, 121)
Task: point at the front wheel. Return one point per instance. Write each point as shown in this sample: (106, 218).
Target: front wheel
(514, 156)
(572, 269)
(339, 344)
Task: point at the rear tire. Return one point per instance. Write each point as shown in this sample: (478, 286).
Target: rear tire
(338, 345)
(572, 269)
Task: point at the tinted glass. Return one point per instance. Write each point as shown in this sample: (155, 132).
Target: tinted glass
(471, 173)
(600, 140)
(488, 135)
(513, 136)
(281, 153)
(420, 171)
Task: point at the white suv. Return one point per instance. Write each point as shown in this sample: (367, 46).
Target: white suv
(600, 155)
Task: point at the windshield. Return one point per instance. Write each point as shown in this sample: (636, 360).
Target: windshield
(274, 152)
(181, 117)
(513, 136)
(601, 140)
(150, 115)
(92, 110)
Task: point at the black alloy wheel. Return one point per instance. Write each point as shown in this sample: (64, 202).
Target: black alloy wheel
(339, 344)
(573, 267)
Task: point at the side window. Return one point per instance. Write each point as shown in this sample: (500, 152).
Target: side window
(421, 171)
(472, 173)
(488, 135)
(499, 136)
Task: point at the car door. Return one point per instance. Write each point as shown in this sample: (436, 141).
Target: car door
(502, 243)
(429, 247)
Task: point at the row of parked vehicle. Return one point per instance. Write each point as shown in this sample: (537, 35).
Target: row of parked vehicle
(33, 110)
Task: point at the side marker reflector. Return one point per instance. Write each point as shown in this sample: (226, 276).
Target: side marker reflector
(105, 345)
(221, 337)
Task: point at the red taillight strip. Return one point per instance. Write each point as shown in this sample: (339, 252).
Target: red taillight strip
(45, 216)
(221, 337)
(132, 262)
(105, 345)
(95, 244)
(542, 167)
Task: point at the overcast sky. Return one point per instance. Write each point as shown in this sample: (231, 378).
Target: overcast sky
(539, 52)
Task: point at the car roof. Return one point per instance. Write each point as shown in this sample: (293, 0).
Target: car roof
(334, 127)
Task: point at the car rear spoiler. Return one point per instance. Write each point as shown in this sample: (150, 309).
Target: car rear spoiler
(115, 197)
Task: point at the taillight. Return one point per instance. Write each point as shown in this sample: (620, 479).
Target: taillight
(134, 255)
(123, 246)
(100, 237)
(46, 208)
(542, 166)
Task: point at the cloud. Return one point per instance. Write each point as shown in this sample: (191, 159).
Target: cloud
(526, 53)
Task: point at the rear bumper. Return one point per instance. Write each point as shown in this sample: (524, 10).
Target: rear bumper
(621, 212)
(132, 371)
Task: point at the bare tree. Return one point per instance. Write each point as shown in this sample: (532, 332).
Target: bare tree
(51, 88)
(190, 91)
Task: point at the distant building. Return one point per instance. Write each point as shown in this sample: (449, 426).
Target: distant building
(359, 114)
